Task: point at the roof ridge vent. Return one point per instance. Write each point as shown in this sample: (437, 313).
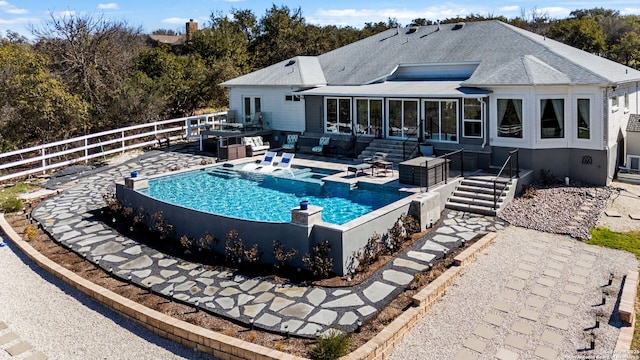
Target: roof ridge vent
(458, 26)
(413, 28)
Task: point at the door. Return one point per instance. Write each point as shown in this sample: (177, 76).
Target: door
(252, 105)
(441, 120)
(403, 119)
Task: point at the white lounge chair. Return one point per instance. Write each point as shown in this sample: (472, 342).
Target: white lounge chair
(283, 165)
(267, 161)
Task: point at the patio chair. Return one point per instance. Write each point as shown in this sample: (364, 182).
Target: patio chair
(320, 148)
(292, 143)
(283, 165)
(267, 161)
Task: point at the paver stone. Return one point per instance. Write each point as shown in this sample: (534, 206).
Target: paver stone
(475, 344)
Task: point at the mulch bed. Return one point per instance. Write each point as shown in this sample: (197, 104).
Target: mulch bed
(295, 346)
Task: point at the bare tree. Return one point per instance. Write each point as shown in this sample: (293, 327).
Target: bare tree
(91, 54)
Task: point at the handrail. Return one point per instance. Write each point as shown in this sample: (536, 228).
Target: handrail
(126, 138)
(404, 143)
(444, 165)
(509, 161)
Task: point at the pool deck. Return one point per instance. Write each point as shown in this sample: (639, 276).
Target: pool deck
(300, 310)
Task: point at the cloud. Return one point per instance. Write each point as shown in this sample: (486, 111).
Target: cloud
(630, 11)
(175, 20)
(508, 9)
(17, 21)
(12, 9)
(358, 17)
(110, 6)
(555, 12)
(64, 14)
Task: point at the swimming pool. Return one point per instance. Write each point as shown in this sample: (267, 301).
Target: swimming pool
(268, 198)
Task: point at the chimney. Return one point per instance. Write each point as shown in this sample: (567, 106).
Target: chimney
(192, 27)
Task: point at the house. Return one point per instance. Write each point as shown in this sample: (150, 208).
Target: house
(632, 160)
(174, 40)
(487, 87)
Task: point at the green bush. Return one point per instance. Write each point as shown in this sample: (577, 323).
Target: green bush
(330, 346)
(11, 205)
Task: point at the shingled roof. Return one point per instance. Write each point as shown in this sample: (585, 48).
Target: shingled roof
(634, 123)
(505, 55)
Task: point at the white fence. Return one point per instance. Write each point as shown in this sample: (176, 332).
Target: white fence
(24, 162)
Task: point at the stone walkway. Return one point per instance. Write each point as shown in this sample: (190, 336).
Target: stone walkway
(303, 311)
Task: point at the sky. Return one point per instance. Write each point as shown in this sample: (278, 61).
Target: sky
(18, 16)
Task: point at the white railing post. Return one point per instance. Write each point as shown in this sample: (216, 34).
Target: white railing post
(122, 142)
(86, 151)
(44, 160)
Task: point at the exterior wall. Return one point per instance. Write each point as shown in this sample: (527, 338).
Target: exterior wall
(285, 115)
(531, 138)
(633, 143)
(344, 239)
(589, 166)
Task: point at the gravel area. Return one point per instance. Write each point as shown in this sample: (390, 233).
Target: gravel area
(65, 324)
(571, 210)
(452, 322)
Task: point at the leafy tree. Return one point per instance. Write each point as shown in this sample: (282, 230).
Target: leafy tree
(585, 34)
(627, 51)
(35, 107)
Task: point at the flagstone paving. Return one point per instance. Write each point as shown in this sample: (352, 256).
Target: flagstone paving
(300, 310)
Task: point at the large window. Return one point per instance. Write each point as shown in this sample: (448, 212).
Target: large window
(441, 117)
(552, 118)
(369, 116)
(510, 118)
(472, 118)
(403, 118)
(584, 118)
(339, 115)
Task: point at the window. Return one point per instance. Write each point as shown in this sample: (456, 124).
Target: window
(441, 117)
(626, 103)
(472, 118)
(338, 115)
(584, 119)
(369, 116)
(403, 118)
(552, 118)
(510, 118)
(292, 97)
(614, 103)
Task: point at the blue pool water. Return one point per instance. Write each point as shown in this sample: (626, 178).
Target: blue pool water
(270, 199)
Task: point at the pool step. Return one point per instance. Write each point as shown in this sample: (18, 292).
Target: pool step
(223, 173)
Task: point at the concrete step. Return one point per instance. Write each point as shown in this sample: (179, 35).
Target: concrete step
(480, 190)
(475, 195)
(500, 184)
(474, 201)
(476, 209)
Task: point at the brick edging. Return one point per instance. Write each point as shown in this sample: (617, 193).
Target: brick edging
(627, 312)
(216, 344)
(383, 344)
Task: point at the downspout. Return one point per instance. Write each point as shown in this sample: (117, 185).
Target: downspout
(484, 117)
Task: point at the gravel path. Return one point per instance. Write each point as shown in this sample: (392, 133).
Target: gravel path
(454, 321)
(65, 324)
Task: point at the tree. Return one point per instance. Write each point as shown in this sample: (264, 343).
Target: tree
(36, 108)
(585, 34)
(627, 51)
(92, 55)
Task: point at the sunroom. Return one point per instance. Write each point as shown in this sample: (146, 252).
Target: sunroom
(440, 111)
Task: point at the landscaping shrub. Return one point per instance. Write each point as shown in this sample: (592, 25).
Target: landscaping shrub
(282, 255)
(30, 232)
(319, 262)
(330, 346)
(547, 178)
(12, 205)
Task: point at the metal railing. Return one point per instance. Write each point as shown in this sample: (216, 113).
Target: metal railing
(509, 161)
(24, 162)
(441, 162)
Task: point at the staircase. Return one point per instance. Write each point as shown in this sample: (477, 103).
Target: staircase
(391, 147)
(475, 195)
